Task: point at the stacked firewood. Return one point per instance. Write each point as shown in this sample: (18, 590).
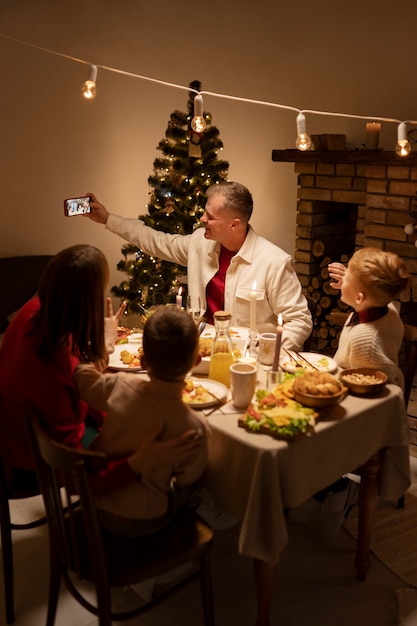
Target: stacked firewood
(331, 311)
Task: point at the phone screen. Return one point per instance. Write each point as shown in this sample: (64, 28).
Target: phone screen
(77, 206)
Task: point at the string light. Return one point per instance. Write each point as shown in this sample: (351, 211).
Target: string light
(303, 141)
(402, 148)
(403, 145)
(198, 123)
(89, 88)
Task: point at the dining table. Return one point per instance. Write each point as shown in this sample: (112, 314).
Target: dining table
(256, 477)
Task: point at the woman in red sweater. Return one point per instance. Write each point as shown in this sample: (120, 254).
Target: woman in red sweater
(42, 347)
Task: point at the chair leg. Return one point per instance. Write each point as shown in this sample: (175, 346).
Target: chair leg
(7, 557)
(54, 588)
(206, 588)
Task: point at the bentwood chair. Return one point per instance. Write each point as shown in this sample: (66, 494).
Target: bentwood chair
(78, 546)
(12, 489)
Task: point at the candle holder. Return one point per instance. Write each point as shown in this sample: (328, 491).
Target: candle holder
(253, 344)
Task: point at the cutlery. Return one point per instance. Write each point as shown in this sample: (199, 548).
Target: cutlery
(201, 327)
(298, 358)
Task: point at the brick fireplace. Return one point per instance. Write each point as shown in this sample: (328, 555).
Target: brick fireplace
(347, 200)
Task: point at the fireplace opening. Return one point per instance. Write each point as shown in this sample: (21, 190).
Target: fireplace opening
(329, 234)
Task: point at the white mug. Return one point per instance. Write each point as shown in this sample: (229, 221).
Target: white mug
(243, 377)
(267, 343)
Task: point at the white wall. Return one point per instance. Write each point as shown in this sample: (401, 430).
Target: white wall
(346, 56)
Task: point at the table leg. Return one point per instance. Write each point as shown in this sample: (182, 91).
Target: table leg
(368, 496)
(264, 573)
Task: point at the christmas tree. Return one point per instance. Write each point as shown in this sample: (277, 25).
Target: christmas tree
(180, 178)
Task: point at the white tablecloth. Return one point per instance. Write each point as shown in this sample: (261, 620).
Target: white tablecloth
(254, 476)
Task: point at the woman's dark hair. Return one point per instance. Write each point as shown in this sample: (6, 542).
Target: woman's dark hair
(71, 294)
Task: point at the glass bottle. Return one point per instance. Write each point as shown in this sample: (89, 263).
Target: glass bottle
(222, 353)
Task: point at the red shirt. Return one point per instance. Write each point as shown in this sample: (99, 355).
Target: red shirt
(31, 386)
(215, 288)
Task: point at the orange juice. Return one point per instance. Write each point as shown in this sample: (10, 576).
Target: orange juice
(220, 367)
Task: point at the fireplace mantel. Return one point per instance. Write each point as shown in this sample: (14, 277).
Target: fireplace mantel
(347, 199)
(363, 157)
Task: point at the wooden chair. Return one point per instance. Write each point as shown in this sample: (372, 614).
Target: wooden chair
(312, 306)
(79, 546)
(11, 489)
(410, 366)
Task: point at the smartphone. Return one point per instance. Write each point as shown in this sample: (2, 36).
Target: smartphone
(77, 206)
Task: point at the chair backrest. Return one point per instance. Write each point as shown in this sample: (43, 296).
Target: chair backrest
(78, 544)
(63, 475)
(312, 306)
(410, 366)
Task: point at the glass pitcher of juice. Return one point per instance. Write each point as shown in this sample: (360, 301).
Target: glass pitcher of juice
(222, 353)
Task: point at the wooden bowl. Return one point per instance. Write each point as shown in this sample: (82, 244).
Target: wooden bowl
(361, 386)
(320, 402)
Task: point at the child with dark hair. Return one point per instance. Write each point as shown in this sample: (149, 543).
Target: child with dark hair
(135, 406)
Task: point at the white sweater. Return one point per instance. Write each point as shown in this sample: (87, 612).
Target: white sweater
(258, 260)
(373, 344)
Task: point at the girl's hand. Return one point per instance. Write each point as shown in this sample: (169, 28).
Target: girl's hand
(111, 322)
(336, 273)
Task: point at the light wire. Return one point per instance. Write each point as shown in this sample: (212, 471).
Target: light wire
(208, 93)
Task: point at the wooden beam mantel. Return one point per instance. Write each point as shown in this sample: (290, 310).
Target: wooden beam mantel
(367, 157)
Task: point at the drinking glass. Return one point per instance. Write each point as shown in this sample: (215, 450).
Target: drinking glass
(194, 308)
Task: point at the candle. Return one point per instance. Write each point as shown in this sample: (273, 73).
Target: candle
(179, 297)
(277, 344)
(252, 310)
(372, 136)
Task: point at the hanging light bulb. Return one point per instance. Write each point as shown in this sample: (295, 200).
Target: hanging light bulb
(198, 123)
(303, 141)
(89, 89)
(409, 228)
(403, 145)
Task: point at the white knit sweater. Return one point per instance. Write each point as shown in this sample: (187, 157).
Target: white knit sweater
(373, 344)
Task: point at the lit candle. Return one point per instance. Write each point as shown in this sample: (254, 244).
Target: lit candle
(252, 310)
(277, 344)
(179, 297)
(372, 136)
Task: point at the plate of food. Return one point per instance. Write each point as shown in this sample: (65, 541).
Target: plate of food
(122, 334)
(278, 414)
(202, 394)
(128, 335)
(126, 357)
(296, 361)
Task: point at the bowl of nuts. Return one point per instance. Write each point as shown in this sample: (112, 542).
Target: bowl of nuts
(364, 381)
(318, 389)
